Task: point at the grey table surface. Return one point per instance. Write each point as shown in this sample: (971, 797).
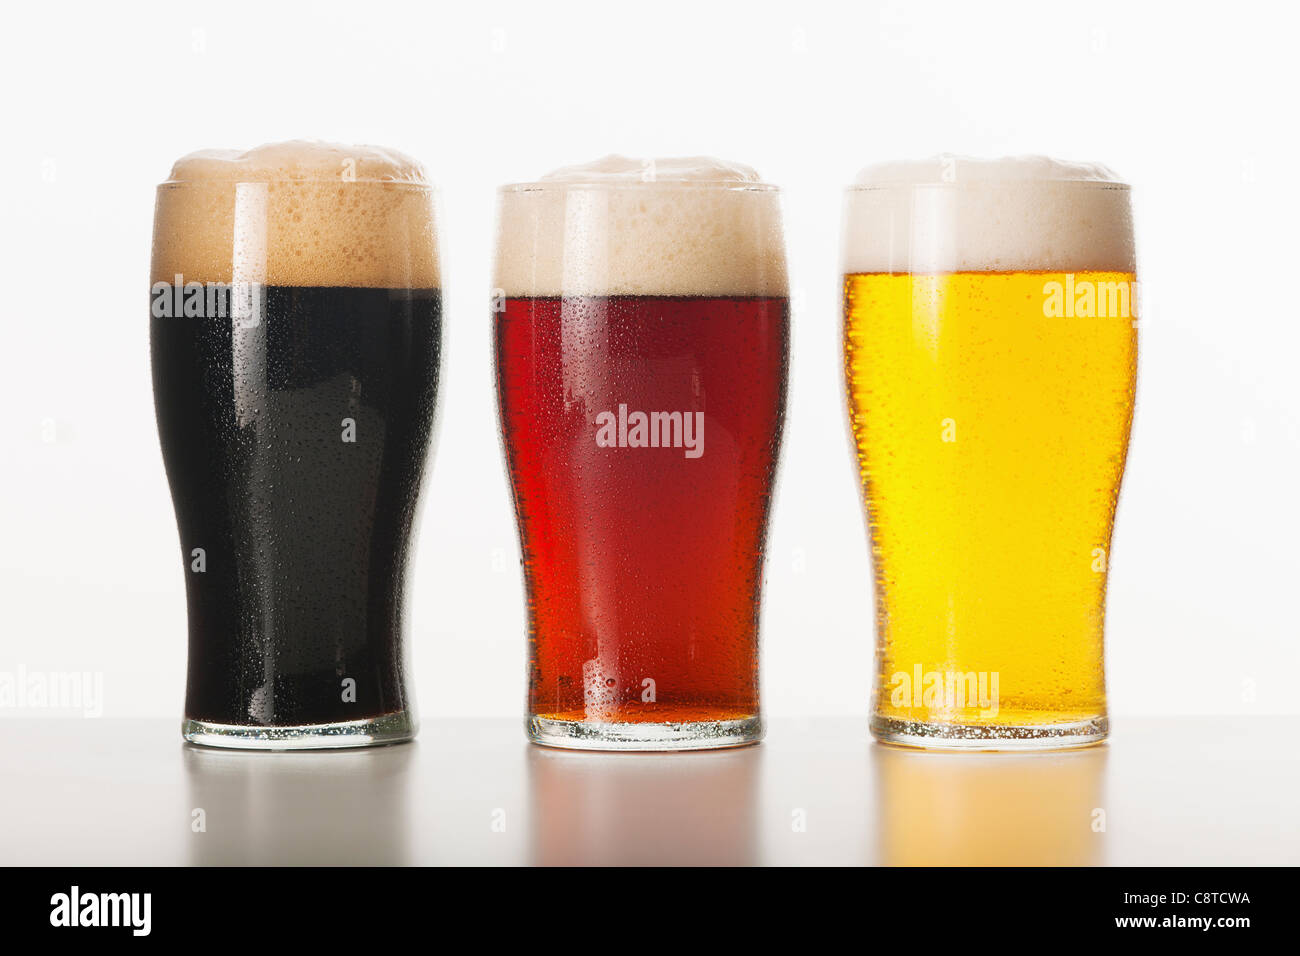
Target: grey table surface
(1177, 791)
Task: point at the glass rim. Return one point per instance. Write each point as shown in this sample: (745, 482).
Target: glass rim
(973, 184)
(306, 181)
(557, 186)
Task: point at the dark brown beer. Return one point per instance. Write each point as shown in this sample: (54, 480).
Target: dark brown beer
(296, 342)
(305, 536)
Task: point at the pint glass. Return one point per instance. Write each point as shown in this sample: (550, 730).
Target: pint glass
(990, 353)
(295, 333)
(641, 335)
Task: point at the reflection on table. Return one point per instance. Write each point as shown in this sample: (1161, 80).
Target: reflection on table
(644, 809)
(964, 809)
(343, 807)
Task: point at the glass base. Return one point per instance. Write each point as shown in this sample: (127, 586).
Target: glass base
(693, 735)
(371, 732)
(930, 736)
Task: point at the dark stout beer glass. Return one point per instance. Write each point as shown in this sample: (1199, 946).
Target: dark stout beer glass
(641, 340)
(295, 333)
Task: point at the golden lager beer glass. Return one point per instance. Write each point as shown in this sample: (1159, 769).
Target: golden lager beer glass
(990, 357)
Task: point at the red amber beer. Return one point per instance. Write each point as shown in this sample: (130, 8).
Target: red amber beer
(641, 334)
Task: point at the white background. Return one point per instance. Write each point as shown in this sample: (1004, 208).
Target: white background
(1195, 106)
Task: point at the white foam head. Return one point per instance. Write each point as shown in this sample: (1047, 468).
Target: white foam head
(961, 214)
(672, 169)
(620, 226)
(299, 213)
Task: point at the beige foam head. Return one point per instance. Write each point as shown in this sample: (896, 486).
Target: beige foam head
(620, 226)
(960, 214)
(299, 213)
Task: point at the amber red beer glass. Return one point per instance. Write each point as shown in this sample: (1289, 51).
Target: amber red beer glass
(641, 339)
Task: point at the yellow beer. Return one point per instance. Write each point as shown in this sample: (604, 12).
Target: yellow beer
(991, 412)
